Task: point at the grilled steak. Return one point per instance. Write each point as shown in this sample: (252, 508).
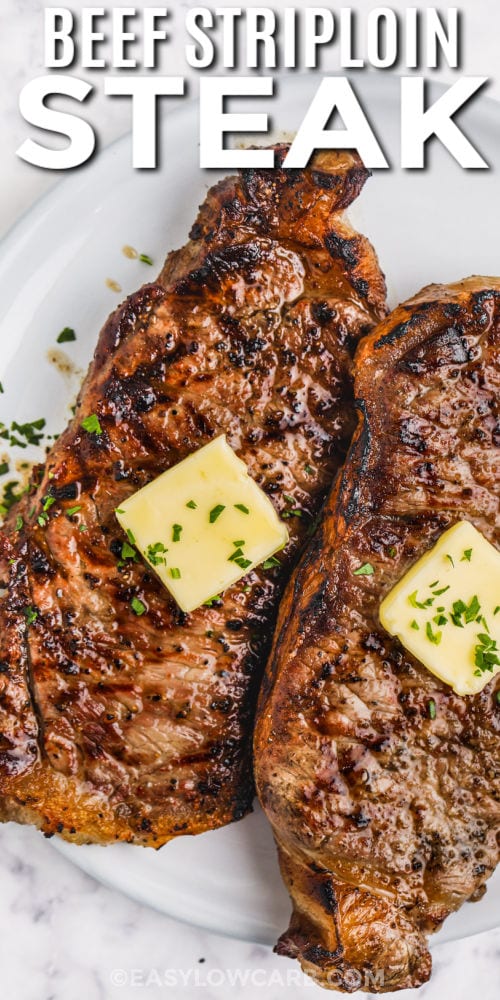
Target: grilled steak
(118, 727)
(386, 818)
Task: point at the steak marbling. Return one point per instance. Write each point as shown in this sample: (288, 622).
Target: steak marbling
(117, 727)
(386, 818)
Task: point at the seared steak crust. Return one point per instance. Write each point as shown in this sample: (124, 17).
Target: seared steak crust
(386, 818)
(118, 727)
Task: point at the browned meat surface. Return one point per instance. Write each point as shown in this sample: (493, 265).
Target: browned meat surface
(118, 727)
(387, 819)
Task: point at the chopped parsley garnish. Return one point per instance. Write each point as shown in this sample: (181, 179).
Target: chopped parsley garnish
(450, 559)
(4, 468)
(236, 555)
(91, 424)
(48, 502)
(73, 510)
(271, 563)
(19, 522)
(365, 570)
(66, 336)
(128, 552)
(309, 470)
(175, 573)
(241, 506)
(119, 510)
(155, 554)
(216, 512)
(10, 497)
(415, 603)
(131, 537)
(137, 606)
(15, 442)
(437, 593)
(31, 615)
(294, 511)
(43, 520)
(83, 527)
(146, 259)
(2, 390)
(431, 708)
(392, 551)
(176, 532)
(485, 654)
(415, 626)
(440, 620)
(192, 505)
(465, 613)
(467, 555)
(497, 609)
(434, 637)
(30, 431)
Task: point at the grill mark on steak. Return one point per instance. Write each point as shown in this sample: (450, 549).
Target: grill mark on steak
(248, 331)
(398, 814)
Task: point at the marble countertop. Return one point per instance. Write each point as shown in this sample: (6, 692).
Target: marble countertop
(65, 937)
(62, 935)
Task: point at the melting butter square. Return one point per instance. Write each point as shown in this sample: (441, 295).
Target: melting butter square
(446, 609)
(203, 524)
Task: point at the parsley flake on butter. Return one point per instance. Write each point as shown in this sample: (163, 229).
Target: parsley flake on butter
(216, 512)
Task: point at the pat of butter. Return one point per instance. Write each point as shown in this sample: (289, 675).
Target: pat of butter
(203, 525)
(446, 609)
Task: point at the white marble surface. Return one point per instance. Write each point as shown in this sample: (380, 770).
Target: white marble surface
(63, 936)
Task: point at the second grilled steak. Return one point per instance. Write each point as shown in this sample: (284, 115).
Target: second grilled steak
(117, 727)
(387, 815)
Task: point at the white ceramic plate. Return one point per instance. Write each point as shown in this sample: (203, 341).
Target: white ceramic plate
(435, 225)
